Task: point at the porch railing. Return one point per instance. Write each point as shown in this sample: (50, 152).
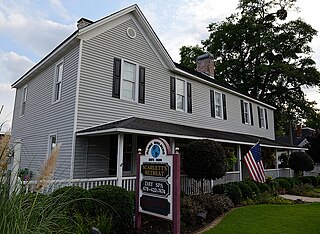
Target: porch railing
(188, 185)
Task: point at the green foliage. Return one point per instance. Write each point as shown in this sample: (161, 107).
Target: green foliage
(218, 189)
(246, 191)
(282, 185)
(299, 162)
(189, 54)
(254, 187)
(267, 198)
(306, 190)
(234, 192)
(311, 180)
(314, 143)
(284, 159)
(265, 56)
(115, 200)
(263, 187)
(189, 210)
(77, 200)
(205, 159)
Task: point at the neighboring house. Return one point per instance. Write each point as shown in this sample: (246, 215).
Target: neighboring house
(111, 86)
(299, 137)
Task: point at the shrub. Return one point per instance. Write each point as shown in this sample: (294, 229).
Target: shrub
(263, 187)
(118, 201)
(267, 198)
(299, 162)
(282, 185)
(254, 187)
(218, 189)
(233, 192)
(76, 199)
(189, 210)
(311, 180)
(246, 191)
(214, 204)
(205, 159)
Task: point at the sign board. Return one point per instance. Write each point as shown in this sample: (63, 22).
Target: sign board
(158, 184)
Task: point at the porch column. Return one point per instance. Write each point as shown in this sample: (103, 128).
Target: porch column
(239, 161)
(277, 166)
(14, 184)
(120, 159)
(173, 145)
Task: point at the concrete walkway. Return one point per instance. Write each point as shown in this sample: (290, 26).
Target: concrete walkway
(305, 199)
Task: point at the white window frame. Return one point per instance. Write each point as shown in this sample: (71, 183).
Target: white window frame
(136, 82)
(216, 104)
(23, 100)
(184, 95)
(57, 82)
(50, 147)
(262, 117)
(248, 112)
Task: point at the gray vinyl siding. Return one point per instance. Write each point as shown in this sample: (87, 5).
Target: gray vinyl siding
(43, 117)
(97, 106)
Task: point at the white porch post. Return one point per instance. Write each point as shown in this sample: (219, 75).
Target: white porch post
(120, 159)
(239, 161)
(15, 168)
(277, 164)
(173, 145)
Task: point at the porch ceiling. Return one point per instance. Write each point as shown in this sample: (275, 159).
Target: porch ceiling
(158, 128)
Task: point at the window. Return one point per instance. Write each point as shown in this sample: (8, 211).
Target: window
(52, 143)
(180, 95)
(128, 81)
(263, 117)
(218, 105)
(24, 100)
(57, 82)
(246, 112)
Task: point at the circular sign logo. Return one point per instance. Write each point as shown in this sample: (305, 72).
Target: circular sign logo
(155, 151)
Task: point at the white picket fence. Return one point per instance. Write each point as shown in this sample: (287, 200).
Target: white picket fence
(188, 185)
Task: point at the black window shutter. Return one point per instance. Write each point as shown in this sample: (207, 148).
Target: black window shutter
(141, 84)
(116, 78)
(172, 93)
(213, 111)
(266, 118)
(189, 98)
(259, 117)
(242, 111)
(251, 114)
(224, 103)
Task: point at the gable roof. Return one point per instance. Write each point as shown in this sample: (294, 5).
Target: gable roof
(154, 127)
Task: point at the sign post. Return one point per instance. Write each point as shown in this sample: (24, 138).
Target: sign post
(158, 183)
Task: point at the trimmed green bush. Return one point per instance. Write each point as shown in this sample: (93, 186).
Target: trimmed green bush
(233, 191)
(76, 199)
(299, 162)
(118, 201)
(263, 187)
(282, 185)
(218, 189)
(189, 210)
(246, 191)
(311, 180)
(254, 187)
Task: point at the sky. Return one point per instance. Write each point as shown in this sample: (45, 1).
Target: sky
(30, 29)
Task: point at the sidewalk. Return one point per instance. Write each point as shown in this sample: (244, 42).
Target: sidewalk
(305, 199)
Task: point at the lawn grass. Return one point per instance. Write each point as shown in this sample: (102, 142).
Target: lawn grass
(261, 219)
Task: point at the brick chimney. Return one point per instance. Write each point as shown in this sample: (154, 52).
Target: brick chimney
(83, 22)
(299, 132)
(205, 64)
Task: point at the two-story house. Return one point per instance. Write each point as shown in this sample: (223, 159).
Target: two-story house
(111, 86)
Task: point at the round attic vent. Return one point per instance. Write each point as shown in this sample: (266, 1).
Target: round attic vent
(131, 32)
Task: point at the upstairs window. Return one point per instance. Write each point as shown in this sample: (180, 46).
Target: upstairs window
(180, 95)
(23, 100)
(263, 117)
(128, 81)
(58, 82)
(218, 105)
(246, 112)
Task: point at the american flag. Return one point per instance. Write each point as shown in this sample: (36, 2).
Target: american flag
(254, 164)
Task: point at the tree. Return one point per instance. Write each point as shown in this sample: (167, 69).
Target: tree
(314, 146)
(205, 159)
(299, 162)
(260, 53)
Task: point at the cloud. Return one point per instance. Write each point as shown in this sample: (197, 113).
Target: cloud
(31, 30)
(60, 9)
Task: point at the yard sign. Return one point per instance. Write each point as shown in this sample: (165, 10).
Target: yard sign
(158, 183)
